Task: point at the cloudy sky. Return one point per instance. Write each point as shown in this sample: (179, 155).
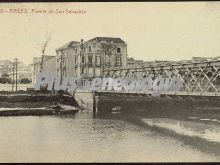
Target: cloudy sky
(153, 31)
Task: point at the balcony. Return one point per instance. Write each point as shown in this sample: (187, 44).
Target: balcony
(118, 54)
(98, 65)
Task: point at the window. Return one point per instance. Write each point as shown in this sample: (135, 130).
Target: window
(64, 64)
(75, 59)
(98, 60)
(64, 71)
(118, 50)
(118, 61)
(63, 54)
(90, 60)
(90, 49)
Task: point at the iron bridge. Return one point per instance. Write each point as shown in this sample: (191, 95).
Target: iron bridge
(198, 78)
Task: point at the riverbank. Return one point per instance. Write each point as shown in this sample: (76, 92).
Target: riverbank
(36, 111)
(20, 87)
(23, 104)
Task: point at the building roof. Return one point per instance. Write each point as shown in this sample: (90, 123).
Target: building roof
(68, 45)
(107, 39)
(47, 57)
(5, 62)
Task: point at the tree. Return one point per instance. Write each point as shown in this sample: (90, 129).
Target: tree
(5, 80)
(25, 81)
(5, 75)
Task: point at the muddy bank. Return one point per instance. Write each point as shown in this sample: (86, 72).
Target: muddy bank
(35, 99)
(35, 104)
(35, 111)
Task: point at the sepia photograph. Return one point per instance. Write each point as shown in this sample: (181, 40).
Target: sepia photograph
(109, 82)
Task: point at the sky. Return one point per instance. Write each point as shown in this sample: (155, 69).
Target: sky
(152, 30)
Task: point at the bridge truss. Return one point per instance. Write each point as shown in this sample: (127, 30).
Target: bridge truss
(199, 78)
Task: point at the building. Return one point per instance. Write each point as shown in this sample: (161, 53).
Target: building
(21, 74)
(131, 62)
(35, 68)
(43, 63)
(92, 56)
(101, 53)
(48, 64)
(6, 66)
(66, 59)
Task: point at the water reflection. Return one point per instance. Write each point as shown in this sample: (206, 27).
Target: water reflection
(210, 132)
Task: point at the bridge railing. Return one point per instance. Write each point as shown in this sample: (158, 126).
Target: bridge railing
(199, 78)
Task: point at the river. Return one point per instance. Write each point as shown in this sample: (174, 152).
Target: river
(83, 138)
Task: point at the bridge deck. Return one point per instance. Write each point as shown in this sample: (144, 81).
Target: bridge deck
(180, 93)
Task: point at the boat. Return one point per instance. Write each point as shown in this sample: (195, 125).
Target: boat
(63, 109)
(56, 106)
(116, 109)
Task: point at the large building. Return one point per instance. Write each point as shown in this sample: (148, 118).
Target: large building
(43, 63)
(49, 64)
(66, 58)
(92, 56)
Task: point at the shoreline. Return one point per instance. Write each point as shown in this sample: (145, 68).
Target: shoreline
(23, 104)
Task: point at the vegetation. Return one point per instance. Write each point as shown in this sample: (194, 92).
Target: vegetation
(25, 81)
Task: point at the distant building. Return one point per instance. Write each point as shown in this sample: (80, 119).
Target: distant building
(6, 66)
(49, 64)
(35, 68)
(20, 65)
(131, 62)
(43, 63)
(92, 56)
(21, 74)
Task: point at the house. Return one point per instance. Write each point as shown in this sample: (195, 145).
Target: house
(92, 56)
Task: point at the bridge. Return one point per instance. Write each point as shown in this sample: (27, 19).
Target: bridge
(198, 78)
(200, 92)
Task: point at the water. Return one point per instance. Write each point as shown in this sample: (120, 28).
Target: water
(82, 138)
(208, 132)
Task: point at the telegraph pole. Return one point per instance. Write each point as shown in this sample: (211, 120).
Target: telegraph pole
(42, 60)
(61, 68)
(16, 72)
(13, 78)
